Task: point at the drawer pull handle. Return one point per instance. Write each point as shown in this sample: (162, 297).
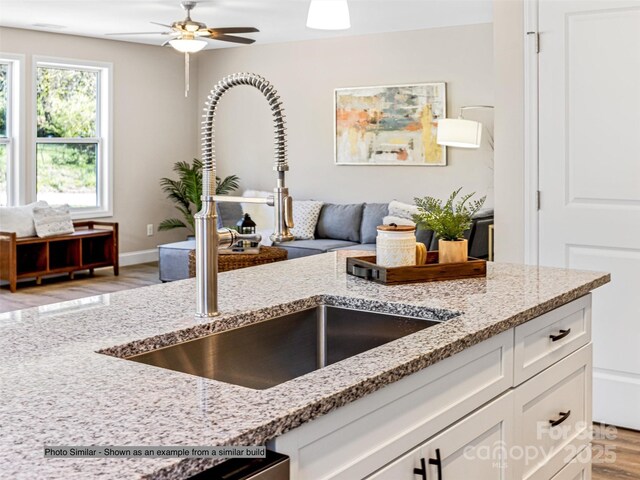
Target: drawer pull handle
(563, 417)
(437, 462)
(421, 471)
(562, 334)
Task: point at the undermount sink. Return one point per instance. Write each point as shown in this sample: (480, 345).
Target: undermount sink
(267, 353)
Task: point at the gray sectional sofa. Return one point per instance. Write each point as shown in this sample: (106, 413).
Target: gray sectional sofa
(353, 226)
(339, 227)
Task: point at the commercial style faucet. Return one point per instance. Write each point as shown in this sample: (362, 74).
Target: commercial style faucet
(208, 237)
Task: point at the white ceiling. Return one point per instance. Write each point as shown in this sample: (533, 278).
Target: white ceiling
(278, 20)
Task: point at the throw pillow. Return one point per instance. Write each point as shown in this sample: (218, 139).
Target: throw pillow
(402, 210)
(261, 213)
(52, 220)
(305, 218)
(372, 216)
(19, 219)
(340, 222)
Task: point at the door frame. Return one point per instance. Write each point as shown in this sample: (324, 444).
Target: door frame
(532, 196)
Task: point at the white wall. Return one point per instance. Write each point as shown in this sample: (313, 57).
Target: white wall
(154, 125)
(509, 37)
(305, 75)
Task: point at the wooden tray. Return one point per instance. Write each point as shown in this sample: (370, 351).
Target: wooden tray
(432, 271)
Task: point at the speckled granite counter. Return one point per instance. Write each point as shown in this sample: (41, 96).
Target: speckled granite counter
(55, 389)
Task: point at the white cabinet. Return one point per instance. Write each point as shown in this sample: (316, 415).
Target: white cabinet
(474, 444)
(357, 439)
(549, 338)
(577, 469)
(553, 416)
(484, 409)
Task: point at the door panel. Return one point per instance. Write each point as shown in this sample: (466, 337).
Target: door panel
(589, 158)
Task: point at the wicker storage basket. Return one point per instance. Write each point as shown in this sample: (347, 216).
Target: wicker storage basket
(233, 262)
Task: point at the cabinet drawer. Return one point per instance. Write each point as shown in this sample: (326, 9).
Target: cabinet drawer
(549, 338)
(358, 439)
(562, 395)
(475, 444)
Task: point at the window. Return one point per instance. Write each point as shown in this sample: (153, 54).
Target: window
(9, 110)
(72, 120)
(4, 135)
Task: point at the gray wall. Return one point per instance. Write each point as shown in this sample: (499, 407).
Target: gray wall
(509, 37)
(154, 124)
(306, 73)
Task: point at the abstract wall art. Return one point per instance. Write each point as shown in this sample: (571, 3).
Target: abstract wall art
(389, 125)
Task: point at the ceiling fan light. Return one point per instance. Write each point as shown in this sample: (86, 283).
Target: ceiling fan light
(185, 45)
(329, 15)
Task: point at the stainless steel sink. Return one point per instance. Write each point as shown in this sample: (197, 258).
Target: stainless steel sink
(267, 353)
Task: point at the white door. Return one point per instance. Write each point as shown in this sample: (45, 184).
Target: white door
(589, 126)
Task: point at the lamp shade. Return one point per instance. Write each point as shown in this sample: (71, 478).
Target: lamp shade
(187, 45)
(458, 132)
(329, 15)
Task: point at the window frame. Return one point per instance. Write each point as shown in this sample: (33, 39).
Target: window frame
(104, 128)
(14, 140)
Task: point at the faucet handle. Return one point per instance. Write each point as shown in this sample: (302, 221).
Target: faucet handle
(227, 237)
(288, 211)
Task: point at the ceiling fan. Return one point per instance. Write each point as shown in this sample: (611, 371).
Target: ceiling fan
(189, 36)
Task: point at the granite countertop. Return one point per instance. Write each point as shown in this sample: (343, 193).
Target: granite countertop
(56, 390)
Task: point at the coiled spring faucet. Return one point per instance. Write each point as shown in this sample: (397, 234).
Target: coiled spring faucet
(208, 237)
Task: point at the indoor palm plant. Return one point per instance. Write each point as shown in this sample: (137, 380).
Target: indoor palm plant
(186, 192)
(449, 222)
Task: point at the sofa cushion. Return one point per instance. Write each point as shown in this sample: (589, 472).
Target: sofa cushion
(50, 221)
(372, 215)
(340, 222)
(305, 218)
(303, 248)
(19, 219)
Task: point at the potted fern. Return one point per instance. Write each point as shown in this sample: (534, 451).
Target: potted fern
(449, 222)
(186, 192)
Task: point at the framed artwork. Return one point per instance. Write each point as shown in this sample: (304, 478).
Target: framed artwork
(390, 125)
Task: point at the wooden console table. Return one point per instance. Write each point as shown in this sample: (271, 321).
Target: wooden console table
(92, 245)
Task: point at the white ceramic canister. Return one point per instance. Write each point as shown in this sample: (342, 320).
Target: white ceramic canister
(396, 245)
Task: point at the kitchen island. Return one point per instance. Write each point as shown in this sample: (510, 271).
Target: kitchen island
(57, 390)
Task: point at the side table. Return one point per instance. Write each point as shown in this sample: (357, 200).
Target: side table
(241, 260)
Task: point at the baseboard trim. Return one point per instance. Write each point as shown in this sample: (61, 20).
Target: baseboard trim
(140, 256)
(616, 396)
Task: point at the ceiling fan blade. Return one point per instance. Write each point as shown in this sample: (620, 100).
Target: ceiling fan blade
(231, 38)
(162, 24)
(233, 30)
(139, 33)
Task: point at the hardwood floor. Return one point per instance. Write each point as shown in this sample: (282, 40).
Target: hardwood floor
(616, 453)
(60, 288)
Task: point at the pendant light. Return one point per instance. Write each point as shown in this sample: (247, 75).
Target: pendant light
(328, 15)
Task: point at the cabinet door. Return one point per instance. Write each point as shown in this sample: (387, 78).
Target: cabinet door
(578, 469)
(475, 447)
(552, 416)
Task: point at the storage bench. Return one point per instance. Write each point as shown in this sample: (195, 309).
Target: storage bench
(92, 245)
